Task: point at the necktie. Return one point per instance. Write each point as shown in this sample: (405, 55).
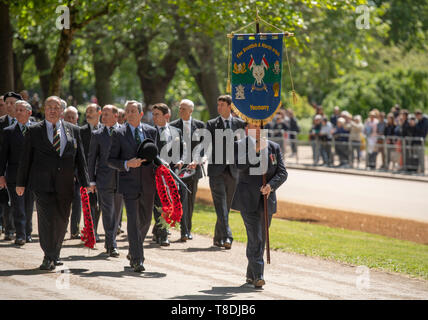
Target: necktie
(56, 142)
(13, 121)
(227, 124)
(137, 136)
(24, 130)
(110, 130)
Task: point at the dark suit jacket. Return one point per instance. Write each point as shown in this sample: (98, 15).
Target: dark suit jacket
(123, 148)
(248, 196)
(212, 125)
(194, 125)
(13, 144)
(99, 150)
(43, 170)
(177, 138)
(4, 123)
(86, 134)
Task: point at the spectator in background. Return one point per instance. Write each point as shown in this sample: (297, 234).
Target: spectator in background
(325, 139)
(335, 116)
(71, 115)
(25, 96)
(395, 110)
(278, 129)
(35, 104)
(341, 137)
(121, 118)
(3, 110)
(355, 135)
(314, 138)
(294, 128)
(381, 139)
(404, 114)
(370, 130)
(390, 141)
(422, 123)
(414, 153)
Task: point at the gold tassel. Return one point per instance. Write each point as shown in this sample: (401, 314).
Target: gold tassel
(228, 88)
(294, 98)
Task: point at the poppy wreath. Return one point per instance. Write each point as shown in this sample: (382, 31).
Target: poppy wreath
(87, 233)
(172, 211)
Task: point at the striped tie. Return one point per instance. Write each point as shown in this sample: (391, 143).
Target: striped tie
(24, 130)
(56, 140)
(110, 130)
(137, 136)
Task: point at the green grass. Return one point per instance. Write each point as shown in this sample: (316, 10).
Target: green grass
(353, 247)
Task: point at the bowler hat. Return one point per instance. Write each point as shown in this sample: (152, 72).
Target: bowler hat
(149, 151)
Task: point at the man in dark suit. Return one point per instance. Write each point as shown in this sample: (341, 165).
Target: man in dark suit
(13, 141)
(104, 179)
(170, 145)
(189, 126)
(92, 114)
(136, 181)
(259, 156)
(222, 171)
(52, 152)
(5, 121)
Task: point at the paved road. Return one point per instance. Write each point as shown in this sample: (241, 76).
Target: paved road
(192, 270)
(379, 196)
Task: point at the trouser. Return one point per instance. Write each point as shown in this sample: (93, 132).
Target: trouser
(256, 235)
(76, 210)
(326, 152)
(22, 212)
(192, 185)
(95, 210)
(342, 151)
(53, 213)
(7, 214)
(223, 189)
(139, 215)
(110, 205)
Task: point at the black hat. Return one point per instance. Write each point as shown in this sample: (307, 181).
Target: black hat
(12, 95)
(149, 151)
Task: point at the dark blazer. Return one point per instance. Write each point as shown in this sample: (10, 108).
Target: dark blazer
(177, 138)
(13, 144)
(42, 169)
(212, 125)
(248, 196)
(99, 150)
(123, 148)
(194, 125)
(4, 123)
(86, 134)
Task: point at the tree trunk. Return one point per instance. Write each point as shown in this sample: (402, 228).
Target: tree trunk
(18, 64)
(61, 58)
(6, 50)
(103, 70)
(43, 66)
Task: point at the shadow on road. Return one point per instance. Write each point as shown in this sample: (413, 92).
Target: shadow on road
(127, 272)
(220, 293)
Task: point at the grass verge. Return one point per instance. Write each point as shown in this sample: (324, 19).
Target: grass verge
(353, 247)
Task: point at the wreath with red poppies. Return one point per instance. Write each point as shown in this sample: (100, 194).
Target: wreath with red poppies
(172, 210)
(87, 234)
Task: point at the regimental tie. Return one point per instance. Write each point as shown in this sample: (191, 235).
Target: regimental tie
(227, 124)
(137, 136)
(56, 142)
(24, 130)
(110, 130)
(13, 121)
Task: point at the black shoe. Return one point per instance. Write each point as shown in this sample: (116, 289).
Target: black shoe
(75, 236)
(228, 244)
(164, 242)
(97, 238)
(20, 242)
(184, 238)
(28, 239)
(8, 236)
(113, 252)
(138, 267)
(58, 263)
(47, 264)
(155, 238)
(249, 280)
(259, 283)
(219, 243)
(189, 236)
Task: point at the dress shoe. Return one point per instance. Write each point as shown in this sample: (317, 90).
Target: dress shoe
(138, 267)
(184, 238)
(58, 263)
(47, 264)
(219, 243)
(164, 242)
(259, 283)
(20, 242)
(75, 236)
(8, 236)
(250, 281)
(228, 244)
(97, 238)
(189, 236)
(155, 238)
(113, 252)
(28, 239)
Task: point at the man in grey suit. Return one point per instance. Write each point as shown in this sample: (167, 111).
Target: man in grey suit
(223, 174)
(105, 179)
(136, 180)
(250, 191)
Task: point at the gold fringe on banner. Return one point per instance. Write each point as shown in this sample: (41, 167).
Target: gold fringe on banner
(256, 122)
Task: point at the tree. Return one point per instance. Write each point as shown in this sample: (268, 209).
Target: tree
(6, 49)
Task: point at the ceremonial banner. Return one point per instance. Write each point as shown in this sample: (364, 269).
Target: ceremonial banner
(256, 69)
